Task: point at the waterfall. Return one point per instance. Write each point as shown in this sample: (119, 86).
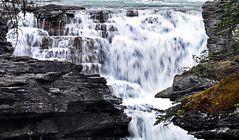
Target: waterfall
(146, 52)
(138, 51)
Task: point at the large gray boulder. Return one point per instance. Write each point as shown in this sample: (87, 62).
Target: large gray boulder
(184, 85)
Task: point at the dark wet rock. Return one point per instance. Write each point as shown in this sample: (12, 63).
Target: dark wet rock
(5, 47)
(132, 13)
(221, 125)
(3, 27)
(53, 18)
(53, 22)
(185, 85)
(103, 29)
(100, 16)
(51, 7)
(165, 93)
(53, 100)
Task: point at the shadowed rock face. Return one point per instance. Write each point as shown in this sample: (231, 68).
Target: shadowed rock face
(53, 100)
(5, 47)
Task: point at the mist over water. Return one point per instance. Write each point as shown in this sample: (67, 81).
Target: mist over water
(139, 55)
(195, 4)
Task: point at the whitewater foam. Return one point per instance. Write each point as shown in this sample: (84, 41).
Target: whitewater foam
(139, 56)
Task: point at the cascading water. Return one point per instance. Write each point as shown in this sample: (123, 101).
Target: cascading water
(146, 52)
(139, 52)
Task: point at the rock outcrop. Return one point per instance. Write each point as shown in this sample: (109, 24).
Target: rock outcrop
(185, 85)
(219, 39)
(53, 100)
(53, 18)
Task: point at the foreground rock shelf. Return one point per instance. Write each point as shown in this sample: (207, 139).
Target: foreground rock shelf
(53, 100)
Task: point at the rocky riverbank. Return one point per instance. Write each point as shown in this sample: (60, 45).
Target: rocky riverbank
(209, 91)
(54, 100)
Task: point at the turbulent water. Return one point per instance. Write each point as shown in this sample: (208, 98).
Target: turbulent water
(139, 56)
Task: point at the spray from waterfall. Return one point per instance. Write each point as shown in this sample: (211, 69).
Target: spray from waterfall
(138, 53)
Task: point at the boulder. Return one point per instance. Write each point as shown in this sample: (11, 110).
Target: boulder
(165, 93)
(132, 13)
(185, 85)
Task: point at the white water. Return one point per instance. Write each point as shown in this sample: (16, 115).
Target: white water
(141, 56)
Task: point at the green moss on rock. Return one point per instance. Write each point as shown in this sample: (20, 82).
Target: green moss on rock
(215, 70)
(221, 97)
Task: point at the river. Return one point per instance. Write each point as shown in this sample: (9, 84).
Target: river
(139, 57)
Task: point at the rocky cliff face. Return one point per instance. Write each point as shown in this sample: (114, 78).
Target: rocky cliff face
(219, 39)
(54, 100)
(212, 14)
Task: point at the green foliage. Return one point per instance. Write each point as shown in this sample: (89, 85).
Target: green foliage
(160, 116)
(179, 100)
(167, 115)
(230, 17)
(202, 58)
(179, 113)
(206, 57)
